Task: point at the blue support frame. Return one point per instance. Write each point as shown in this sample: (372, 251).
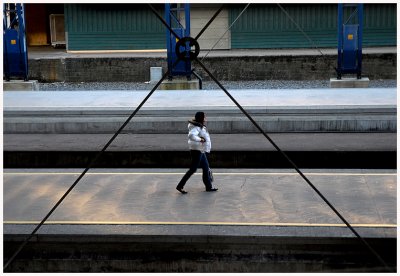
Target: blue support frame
(350, 41)
(172, 17)
(15, 54)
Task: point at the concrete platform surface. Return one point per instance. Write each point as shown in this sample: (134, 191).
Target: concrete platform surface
(204, 99)
(134, 201)
(300, 110)
(220, 142)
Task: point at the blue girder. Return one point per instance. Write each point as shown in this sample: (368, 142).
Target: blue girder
(172, 17)
(15, 54)
(350, 41)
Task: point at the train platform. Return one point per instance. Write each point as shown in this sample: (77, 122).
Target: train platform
(277, 201)
(259, 220)
(166, 112)
(340, 128)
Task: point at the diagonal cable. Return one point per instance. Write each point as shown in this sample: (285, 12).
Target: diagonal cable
(177, 20)
(91, 164)
(163, 21)
(212, 48)
(294, 166)
(351, 16)
(283, 153)
(305, 35)
(209, 22)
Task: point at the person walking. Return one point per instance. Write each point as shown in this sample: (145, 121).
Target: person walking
(200, 146)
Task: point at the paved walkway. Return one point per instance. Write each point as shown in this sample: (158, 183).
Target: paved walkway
(204, 99)
(334, 110)
(367, 199)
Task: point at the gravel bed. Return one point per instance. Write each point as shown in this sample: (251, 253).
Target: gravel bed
(270, 84)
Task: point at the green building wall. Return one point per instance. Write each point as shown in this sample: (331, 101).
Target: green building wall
(134, 26)
(112, 27)
(267, 26)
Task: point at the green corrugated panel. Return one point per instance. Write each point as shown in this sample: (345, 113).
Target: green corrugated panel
(116, 41)
(266, 26)
(113, 27)
(380, 23)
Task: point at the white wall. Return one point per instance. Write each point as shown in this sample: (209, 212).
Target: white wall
(200, 14)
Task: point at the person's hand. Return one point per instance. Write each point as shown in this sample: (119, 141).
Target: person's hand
(202, 140)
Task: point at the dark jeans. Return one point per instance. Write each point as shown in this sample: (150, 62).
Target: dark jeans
(199, 159)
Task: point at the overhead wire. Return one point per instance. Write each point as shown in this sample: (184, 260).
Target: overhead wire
(88, 167)
(209, 22)
(306, 36)
(351, 16)
(163, 21)
(283, 153)
(243, 111)
(296, 168)
(94, 160)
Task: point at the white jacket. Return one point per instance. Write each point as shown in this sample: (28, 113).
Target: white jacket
(194, 137)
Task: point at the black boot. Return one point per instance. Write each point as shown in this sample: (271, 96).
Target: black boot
(181, 190)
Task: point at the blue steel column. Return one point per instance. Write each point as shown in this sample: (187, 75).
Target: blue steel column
(5, 59)
(360, 8)
(22, 38)
(183, 67)
(340, 40)
(187, 20)
(188, 63)
(168, 36)
(343, 58)
(15, 54)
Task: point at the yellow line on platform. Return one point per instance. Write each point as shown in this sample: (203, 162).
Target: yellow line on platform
(204, 223)
(180, 173)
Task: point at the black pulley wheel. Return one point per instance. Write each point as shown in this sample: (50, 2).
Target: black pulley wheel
(182, 54)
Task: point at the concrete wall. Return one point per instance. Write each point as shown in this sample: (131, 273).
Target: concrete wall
(229, 68)
(197, 253)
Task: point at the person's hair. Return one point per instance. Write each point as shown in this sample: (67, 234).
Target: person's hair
(199, 117)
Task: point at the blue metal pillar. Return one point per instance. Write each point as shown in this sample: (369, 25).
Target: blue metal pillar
(350, 40)
(15, 54)
(173, 13)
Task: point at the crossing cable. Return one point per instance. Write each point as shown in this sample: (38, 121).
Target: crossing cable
(138, 108)
(295, 166)
(275, 145)
(163, 21)
(172, 31)
(306, 36)
(209, 22)
(91, 164)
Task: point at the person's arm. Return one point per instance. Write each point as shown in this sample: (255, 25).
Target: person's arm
(194, 135)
